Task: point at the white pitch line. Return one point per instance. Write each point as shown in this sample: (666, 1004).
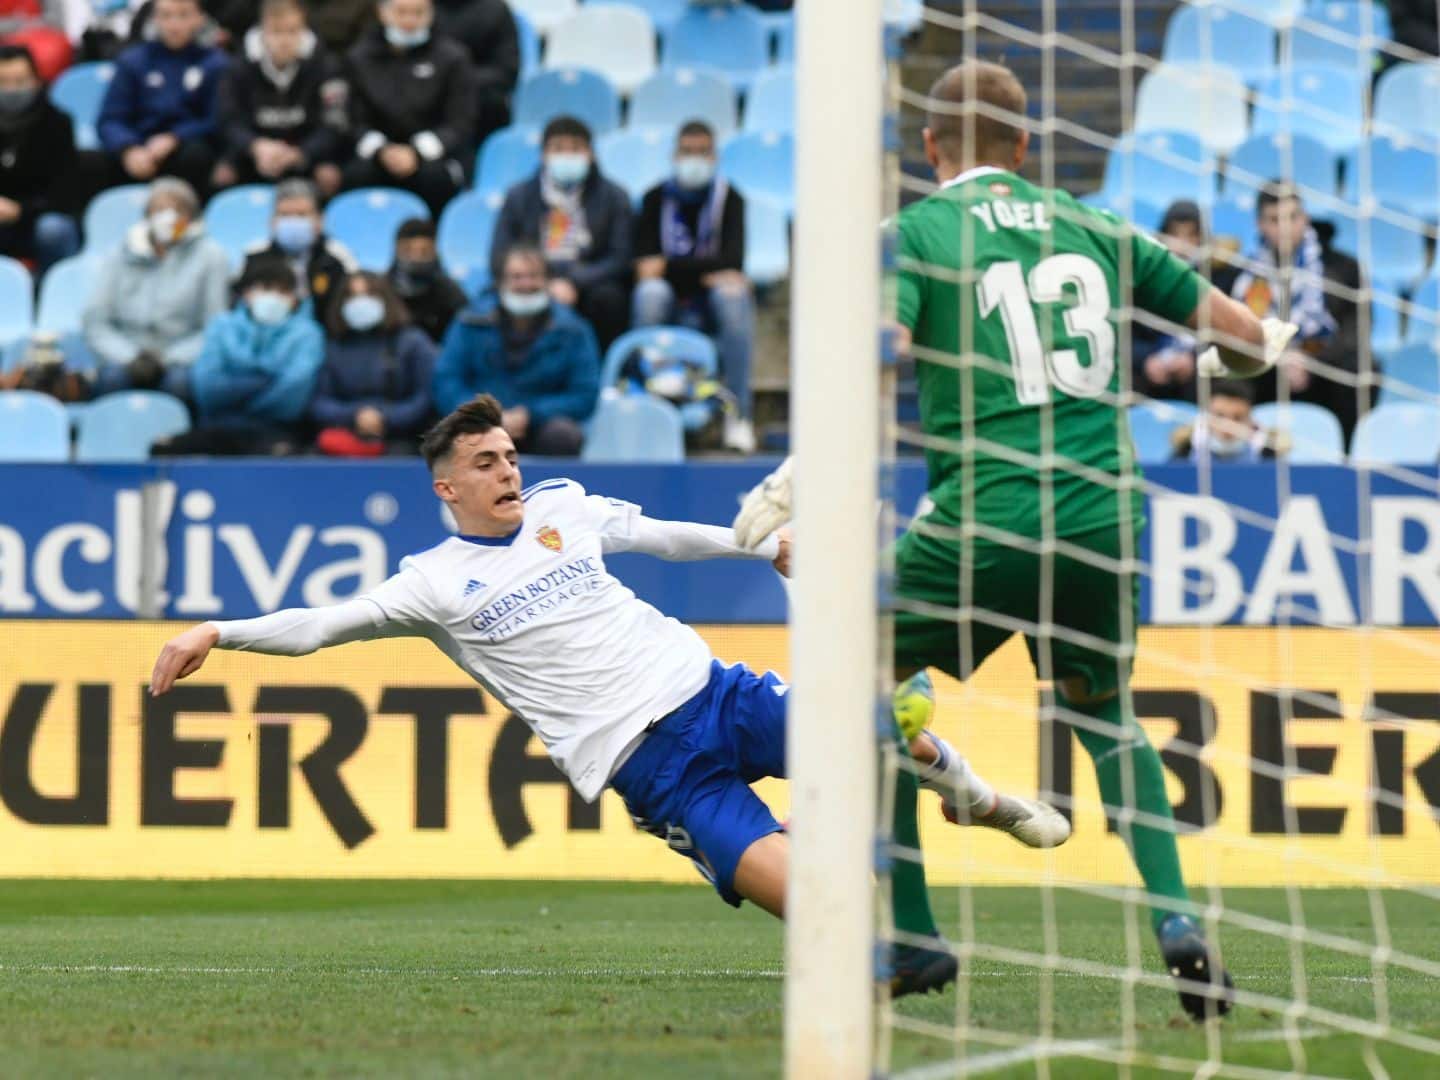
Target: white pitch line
(490, 972)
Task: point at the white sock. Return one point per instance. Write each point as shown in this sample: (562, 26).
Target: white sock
(954, 779)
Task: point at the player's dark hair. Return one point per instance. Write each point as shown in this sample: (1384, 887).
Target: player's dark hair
(966, 135)
(266, 271)
(475, 417)
(1233, 388)
(415, 228)
(565, 126)
(1277, 191)
(695, 127)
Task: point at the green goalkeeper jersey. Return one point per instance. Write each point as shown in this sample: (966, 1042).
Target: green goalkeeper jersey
(1020, 288)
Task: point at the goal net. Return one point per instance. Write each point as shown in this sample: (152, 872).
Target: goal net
(1284, 535)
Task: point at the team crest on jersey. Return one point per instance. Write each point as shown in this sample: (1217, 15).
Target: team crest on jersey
(549, 537)
(999, 187)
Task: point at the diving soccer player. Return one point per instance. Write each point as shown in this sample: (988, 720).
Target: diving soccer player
(1008, 295)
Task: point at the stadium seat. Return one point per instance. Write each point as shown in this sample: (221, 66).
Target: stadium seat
(616, 41)
(905, 16)
(1385, 335)
(637, 160)
(785, 39)
(1220, 37)
(508, 156)
(1324, 103)
(1234, 215)
(64, 291)
(545, 14)
(1142, 212)
(17, 301)
(1299, 159)
(33, 427)
(585, 95)
(1315, 433)
(79, 91)
(634, 428)
(669, 98)
(110, 214)
(767, 242)
(1207, 102)
(122, 427)
(770, 105)
(662, 12)
(689, 345)
(762, 165)
(1313, 43)
(1391, 252)
(463, 236)
(1406, 433)
(1412, 373)
(1407, 99)
(1151, 424)
(733, 40)
(1160, 167)
(1394, 171)
(239, 218)
(365, 220)
(1357, 18)
(529, 40)
(1422, 327)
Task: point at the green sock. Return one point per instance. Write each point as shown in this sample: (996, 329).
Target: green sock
(1152, 848)
(909, 897)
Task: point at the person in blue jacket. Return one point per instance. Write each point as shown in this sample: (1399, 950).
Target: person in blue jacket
(160, 111)
(373, 394)
(536, 355)
(256, 373)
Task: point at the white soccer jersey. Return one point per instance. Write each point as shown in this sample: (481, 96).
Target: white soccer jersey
(538, 620)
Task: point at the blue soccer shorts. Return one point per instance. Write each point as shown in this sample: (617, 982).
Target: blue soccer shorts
(689, 781)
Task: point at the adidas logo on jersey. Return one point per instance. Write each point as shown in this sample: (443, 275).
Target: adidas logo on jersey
(472, 586)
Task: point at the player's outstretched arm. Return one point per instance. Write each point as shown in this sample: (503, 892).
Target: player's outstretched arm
(182, 655)
(1242, 344)
(688, 541)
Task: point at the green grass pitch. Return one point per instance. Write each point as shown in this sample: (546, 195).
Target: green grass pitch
(558, 979)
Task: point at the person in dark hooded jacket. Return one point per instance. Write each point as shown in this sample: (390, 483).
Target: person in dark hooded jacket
(37, 156)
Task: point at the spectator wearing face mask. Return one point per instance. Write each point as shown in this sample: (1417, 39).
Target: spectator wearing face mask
(37, 156)
(413, 106)
(146, 317)
(1227, 431)
(297, 235)
(538, 357)
(256, 371)
(431, 295)
(581, 221)
(373, 395)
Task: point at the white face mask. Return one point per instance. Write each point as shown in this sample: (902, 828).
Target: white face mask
(1228, 445)
(269, 308)
(566, 169)
(524, 305)
(164, 225)
(693, 171)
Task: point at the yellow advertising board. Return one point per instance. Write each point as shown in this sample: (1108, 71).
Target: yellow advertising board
(1319, 763)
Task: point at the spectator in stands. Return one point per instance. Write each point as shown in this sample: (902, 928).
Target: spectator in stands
(431, 295)
(159, 114)
(257, 370)
(373, 394)
(1416, 23)
(283, 105)
(1164, 363)
(38, 26)
(536, 355)
(487, 30)
(340, 24)
(413, 106)
(1291, 274)
(146, 318)
(689, 264)
(41, 367)
(1227, 430)
(37, 163)
(233, 19)
(581, 221)
(297, 234)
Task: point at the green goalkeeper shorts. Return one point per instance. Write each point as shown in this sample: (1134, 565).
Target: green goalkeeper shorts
(1088, 631)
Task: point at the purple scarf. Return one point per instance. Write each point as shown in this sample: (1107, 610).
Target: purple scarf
(676, 239)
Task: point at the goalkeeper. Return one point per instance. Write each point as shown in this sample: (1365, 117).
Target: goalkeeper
(1009, 293)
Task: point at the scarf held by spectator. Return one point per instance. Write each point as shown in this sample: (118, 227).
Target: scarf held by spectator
(676, 239)
(1265, 293)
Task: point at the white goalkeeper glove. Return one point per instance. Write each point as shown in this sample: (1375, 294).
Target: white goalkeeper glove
(1277, 338)
(765, 508)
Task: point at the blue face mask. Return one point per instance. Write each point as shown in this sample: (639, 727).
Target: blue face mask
(524, 305)
(363, 312)
(269, 308)
(407, 39)
(693, 171)
(295, 233)
(567, 170)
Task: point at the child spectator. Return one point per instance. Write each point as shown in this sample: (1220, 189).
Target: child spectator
(431, 295)
(1227, 431)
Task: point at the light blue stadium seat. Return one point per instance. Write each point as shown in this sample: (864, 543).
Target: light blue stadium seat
(64, 291)
(1405, 433)
(1298, 159)
(1385, 335)
(762, 166)
(544, 15)
(767, 242)
(1234, 215)
(636, 159)
(1354, 17)
(122, 427)
(17, 300)
(1407, 99)
(1151, 424)
(239, 218)
(905, 16)
(1160, 167)
(79, 91)
(463, 236)
(585, 95)
(784, 32)
(1142, 212)
(1422, 327)
(508, 156)
(680, 342)
(1391, 253)
(770, 105)
(1207, 102)
(1317, 45)
(1395, 172)
(1324, 103)
(662, 12)
(615, 40)
(733, 40)
(1226, 38)
(634, 428)
(1315, 433)
(671, 97)
(528, 39)
(33, 427)
(1412, 373)
(365, 220)
(110, 214)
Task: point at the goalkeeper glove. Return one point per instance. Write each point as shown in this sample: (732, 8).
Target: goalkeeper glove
(765, 508)
(1277, 337)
